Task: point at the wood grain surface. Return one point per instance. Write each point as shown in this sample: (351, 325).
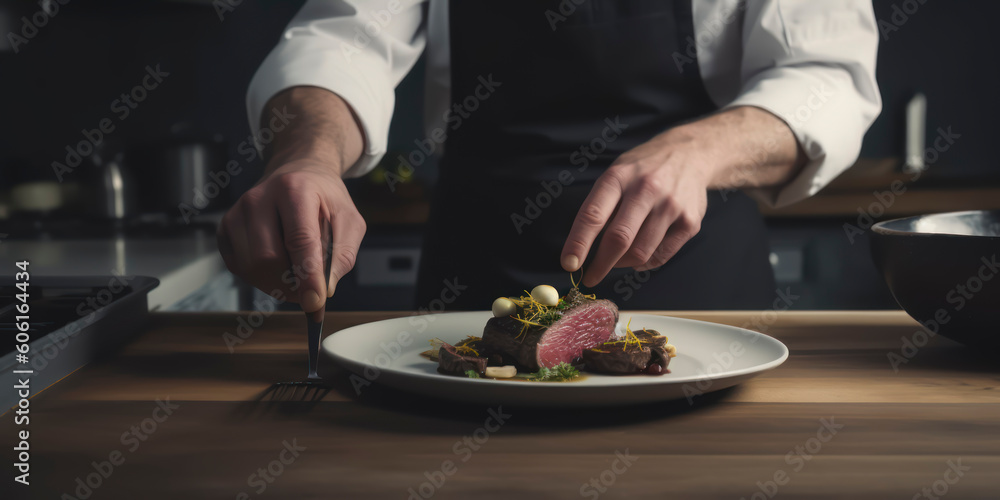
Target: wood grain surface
(898, 433)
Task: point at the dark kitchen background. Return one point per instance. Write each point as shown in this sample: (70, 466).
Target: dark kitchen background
(118, 210)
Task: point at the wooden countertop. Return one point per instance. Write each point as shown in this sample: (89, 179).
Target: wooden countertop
(901, 429)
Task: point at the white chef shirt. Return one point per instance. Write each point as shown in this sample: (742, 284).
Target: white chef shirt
(809, 62)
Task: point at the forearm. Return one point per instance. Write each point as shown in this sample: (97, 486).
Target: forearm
(742, 147)
(323, 128)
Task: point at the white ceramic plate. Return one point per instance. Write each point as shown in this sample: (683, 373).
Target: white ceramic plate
(710, 357)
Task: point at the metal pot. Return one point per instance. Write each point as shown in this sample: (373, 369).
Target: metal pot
(176, 177)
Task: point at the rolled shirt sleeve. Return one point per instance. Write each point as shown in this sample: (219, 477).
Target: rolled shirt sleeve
(812, 64)
(357, 49)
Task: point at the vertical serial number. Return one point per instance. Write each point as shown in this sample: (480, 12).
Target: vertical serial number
(22, 374)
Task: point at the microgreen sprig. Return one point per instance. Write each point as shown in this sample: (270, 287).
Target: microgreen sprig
(559, 373)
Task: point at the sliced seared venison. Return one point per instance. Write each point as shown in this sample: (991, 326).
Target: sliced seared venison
(587, 324)
(451, 361)
(616, 360)
(618, 357)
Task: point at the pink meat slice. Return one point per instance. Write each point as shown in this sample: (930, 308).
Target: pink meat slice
(584, 327)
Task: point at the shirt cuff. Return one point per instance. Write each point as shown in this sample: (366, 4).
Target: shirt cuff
(309, 61)
(825, 112)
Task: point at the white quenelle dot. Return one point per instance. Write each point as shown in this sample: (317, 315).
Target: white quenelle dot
(546, 295)
(503, 307)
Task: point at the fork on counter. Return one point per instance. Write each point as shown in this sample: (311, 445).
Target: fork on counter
(309, 389)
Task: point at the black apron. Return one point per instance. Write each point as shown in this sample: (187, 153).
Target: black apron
(544, 101)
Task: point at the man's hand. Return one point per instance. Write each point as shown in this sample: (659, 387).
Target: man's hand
(648, 204)
(274, 228)
(271, 236)
(652, 199)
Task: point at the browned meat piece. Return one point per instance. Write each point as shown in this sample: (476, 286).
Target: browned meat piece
(621, 359)
(450, 361)
(616, 360)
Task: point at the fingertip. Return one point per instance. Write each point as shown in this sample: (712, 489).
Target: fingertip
(311, 301)
(571, 263)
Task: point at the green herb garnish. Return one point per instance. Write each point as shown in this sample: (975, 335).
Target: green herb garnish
(471, 374)
(546, 318)
(559, 373)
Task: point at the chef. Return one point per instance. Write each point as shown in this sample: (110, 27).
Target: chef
(629, 140)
